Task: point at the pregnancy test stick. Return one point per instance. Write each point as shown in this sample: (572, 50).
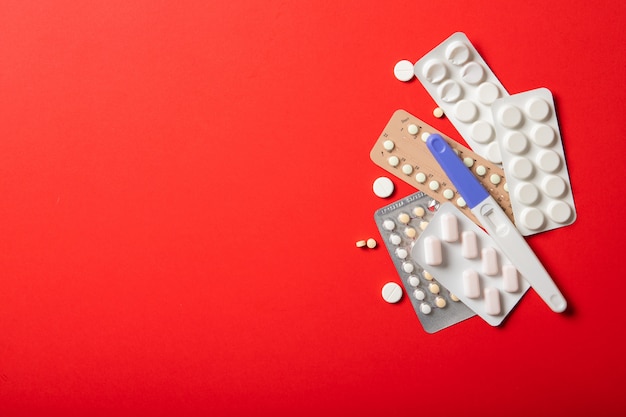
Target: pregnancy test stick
(496, 223)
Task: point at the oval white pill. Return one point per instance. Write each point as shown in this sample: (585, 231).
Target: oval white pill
(432, 251)
(403, 70)
(510, 282)
(391, 292)
(492, 301)
(449, 227)
(412, 129)
(489, 261)
(383, 187)
(469, 244)
(471, 283)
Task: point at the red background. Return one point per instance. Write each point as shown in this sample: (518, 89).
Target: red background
(183, 183)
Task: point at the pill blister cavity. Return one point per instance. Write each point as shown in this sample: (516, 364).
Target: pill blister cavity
(419, 294)
(449, 227)
(404, 218)
(413, 281)
(472, 73)
(402, 253)
(434, 71)
(471, 283)
(510, 280)
(469, 244)
(450, 91)
(432, 251)
(440, 302)
(489, 261)
(425, 308)
(389, 224)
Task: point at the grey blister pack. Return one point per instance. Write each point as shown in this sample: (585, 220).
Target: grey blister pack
(534, 161)
(462, 84)
(468, 262)
(400, 224)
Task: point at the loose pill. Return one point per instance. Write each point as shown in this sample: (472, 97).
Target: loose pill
(471, 284)
(412, 129)
(404, 218)
(434, 288)
(432, 251)
(469, 245)
(420, 177)
(425, 308)
(389, 145)
(510, 282)
(492, 301)
(440, 302)
(438, 112)
(360, 243)
(419, 211)
(427, 275)
(449, 227)
(371, 243)
(413, 281)
(450, 91)
(403, 70)
(419, 295)
(383, 187)
(391, 292)
(489, 261)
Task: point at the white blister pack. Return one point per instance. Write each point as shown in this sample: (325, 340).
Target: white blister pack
(400, 224)
(467, 261)
(462, 84)
(534, 161)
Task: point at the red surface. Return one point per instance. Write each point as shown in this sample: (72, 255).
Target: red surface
(183, 182)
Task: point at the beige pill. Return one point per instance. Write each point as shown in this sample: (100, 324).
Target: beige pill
(427, 275)
(434, 288)
(410, 232)
(404, 218)
(371, 243)
(438, 112)
(419, 211)
(360, 243)
(440, 302)
(423, 225)
(454, 297)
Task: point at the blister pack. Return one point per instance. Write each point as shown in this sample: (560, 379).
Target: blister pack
(467, 261)
(401, 150)
(534, 161)
(400, 224)
(462, 84)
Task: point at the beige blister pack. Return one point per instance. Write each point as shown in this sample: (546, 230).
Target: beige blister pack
(401, 150)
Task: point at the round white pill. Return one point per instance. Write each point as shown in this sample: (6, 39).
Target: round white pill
(465, 111)
(492, 152)
(532, 218)
(403, 70)
(481, 132)
(393, 161)
(510, 116)
(391, 292)
(402, 253)
(505, 187)
(389, 145)
(548, 161)
(434, 71)
(448, 193)
(515, 142)
(371, 243)
(420, 177)
(481, 170)
(389, 224)
(419, 294)
(450, 91)
(521, 168)
(488, 93)
(395, 239)
(425, 308)
(408, 267)
(495, 179)
(526, 193)
(383, 187)
(472, 73)
(425, 136)
(542, 135)
(438, 112)
(461, 202)
(407, 169)
(553, 186)
(412, 129)
(469, 162)
(413, 281)
(559, 211)
(433, 185)
(457, 53)
(537, 109)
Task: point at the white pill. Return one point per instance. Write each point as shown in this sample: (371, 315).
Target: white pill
(419, 294)
(383, 187)
(403, 70)
(360, 243)
(510, 281)
(449, 227)
(472, 73)
(461, 202)
(450, 91)
(402, 253)
(506, 187)
(520, 168)
(389, 145)
(537, 109)
(526, 193)
(425, 308)
(481, 131)
(532, 218)
(548, 161)
(438, 112)
(468, 162)
(553, 186)
(434, 71)
(471, 283)
(391, 292)
(393, 161)
(371, 243)
(515, 142)
(481, 170)
(469, 244)
(420, 177)
(425, 136)
(559, 211)
(433, 185)
(465, 111)
(389, 224)
(510, 116)
(492, 301)
(457, 53)
(408, 267)
(488, 93)
(489, 260)
(492, 152)
(413, 281)
(395, 239)
(412, 129)
(407, 169)
(495, 179)
(432, 251)
(448, 193)
(542, 135)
